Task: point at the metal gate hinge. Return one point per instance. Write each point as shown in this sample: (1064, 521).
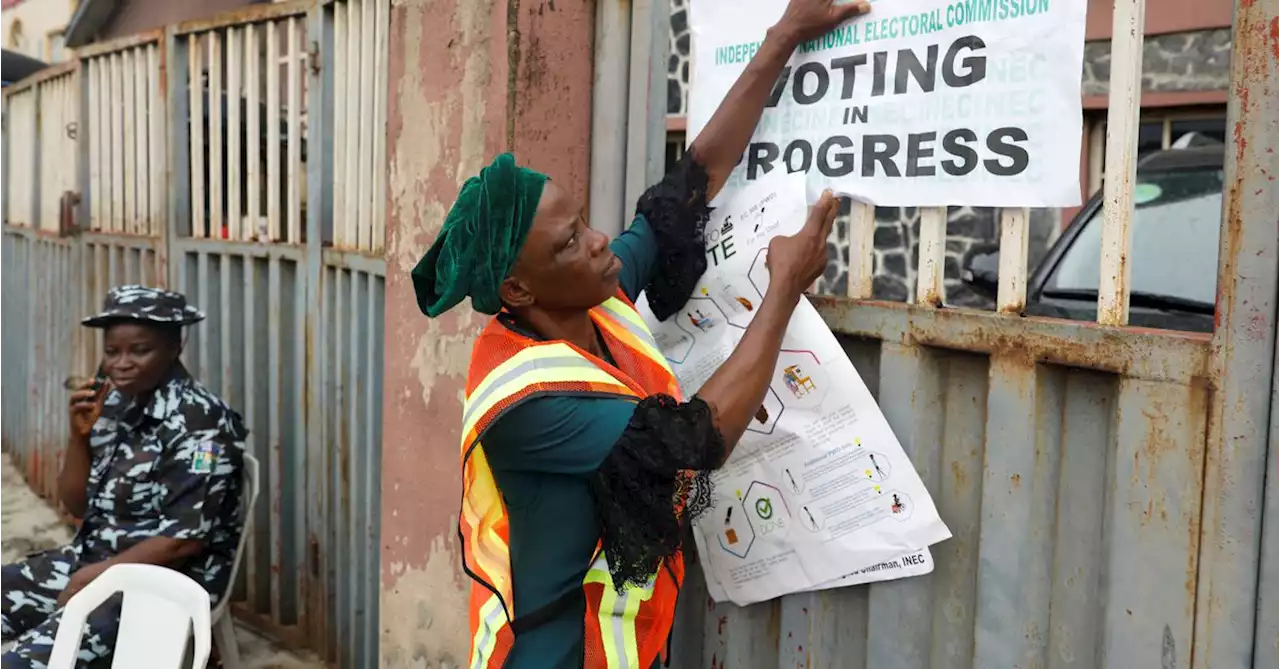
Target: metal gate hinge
(313, 57)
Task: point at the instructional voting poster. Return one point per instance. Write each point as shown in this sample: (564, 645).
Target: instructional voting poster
(818, 493)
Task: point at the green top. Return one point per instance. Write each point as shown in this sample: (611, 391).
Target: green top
(542, 453)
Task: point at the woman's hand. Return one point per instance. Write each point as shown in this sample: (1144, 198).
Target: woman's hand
(808, 19)
(85, 407)
(796, 261)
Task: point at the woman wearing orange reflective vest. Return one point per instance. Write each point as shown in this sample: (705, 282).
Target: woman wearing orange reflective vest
(582, 462)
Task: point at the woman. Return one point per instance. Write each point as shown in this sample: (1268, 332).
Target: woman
(153, 469)
(578, 452)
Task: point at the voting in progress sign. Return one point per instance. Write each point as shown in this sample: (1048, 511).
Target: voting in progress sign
(918, 103)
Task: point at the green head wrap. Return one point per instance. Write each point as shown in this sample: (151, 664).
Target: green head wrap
(480, 240)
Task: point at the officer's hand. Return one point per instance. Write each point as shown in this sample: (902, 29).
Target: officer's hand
(85, 407)
(81, 578)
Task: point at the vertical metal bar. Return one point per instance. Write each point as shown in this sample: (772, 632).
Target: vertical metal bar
(202, 289)
(273, 132)
(339, 553)
(259, 444)
(275, 433)
(609, 116)
(196, 82)
(119, 222)
(295, 133)
(128, 78)
(99, 143)
(368, 130)
(1266, 653)
(355, 450)
(36, 160)
(380, 129)
(217, 168)
(141, 138)
(1075, 634)
(371, 485)
(44, 122)
(311, 356)
(234, 97)
(340, 127)
(253, 66)
(647, 99)
(900, 612)
(159, 174)
(351, 154)
(226, 310)
(98, 118)
(84, 148)
(933, 253)
(1244, 349)
(1011, 295)
(1121, 160)
(959, 502)
(1154, 499)
(862, 244)
(181, 124)
(1019, 495)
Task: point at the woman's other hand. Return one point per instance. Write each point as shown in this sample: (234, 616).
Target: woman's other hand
(809, 19)
(85, 407)
(796, 261)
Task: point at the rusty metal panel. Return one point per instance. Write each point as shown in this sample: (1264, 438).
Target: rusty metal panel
(294, 332)
(351, 360)
(1244, 349)
(50, 283)
(1267, 629)
(1073, 498)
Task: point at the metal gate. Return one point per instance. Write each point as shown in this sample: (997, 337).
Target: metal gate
(239, 160)
(1106, 485)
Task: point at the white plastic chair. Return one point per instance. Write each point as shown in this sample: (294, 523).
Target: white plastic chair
(224, 628)
(161, 608)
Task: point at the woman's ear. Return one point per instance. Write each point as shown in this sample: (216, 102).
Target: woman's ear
(514, 293)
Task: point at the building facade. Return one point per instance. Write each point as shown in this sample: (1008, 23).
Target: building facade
(35, 28)
(1186, 68)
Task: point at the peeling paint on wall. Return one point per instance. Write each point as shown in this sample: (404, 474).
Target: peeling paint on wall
(449, 110)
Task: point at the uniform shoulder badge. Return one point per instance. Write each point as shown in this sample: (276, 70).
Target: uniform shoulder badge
(204, 457)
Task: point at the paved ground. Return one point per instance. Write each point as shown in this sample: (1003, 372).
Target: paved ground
(29, 525)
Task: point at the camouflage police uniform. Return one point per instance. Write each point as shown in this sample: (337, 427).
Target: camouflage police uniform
(168, 466)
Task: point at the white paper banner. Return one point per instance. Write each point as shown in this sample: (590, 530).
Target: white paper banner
(919, 103)
(818, 488)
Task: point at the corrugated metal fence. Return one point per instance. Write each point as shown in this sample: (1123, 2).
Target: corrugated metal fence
(211, 157)
(1106, 485)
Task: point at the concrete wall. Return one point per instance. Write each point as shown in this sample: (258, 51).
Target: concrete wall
(468, 79)
(38, 18)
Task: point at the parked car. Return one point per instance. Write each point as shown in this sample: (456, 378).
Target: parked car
(1174, 258)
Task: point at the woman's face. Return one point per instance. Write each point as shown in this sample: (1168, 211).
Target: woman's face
(564, 264)
(137, 357)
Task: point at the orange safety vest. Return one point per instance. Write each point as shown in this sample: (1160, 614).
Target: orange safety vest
(623, 631)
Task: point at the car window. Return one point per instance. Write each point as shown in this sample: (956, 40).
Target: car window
(1175, 239)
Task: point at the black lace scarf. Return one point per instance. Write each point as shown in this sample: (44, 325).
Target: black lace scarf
(655, 483)
(677, 212)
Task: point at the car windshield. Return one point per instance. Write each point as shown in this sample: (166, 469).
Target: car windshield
(1175, 239)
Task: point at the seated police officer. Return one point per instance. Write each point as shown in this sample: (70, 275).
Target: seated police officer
(153, 469)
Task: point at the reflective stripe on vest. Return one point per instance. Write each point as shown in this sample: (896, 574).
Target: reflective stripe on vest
(617, 615)
(553, 368)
